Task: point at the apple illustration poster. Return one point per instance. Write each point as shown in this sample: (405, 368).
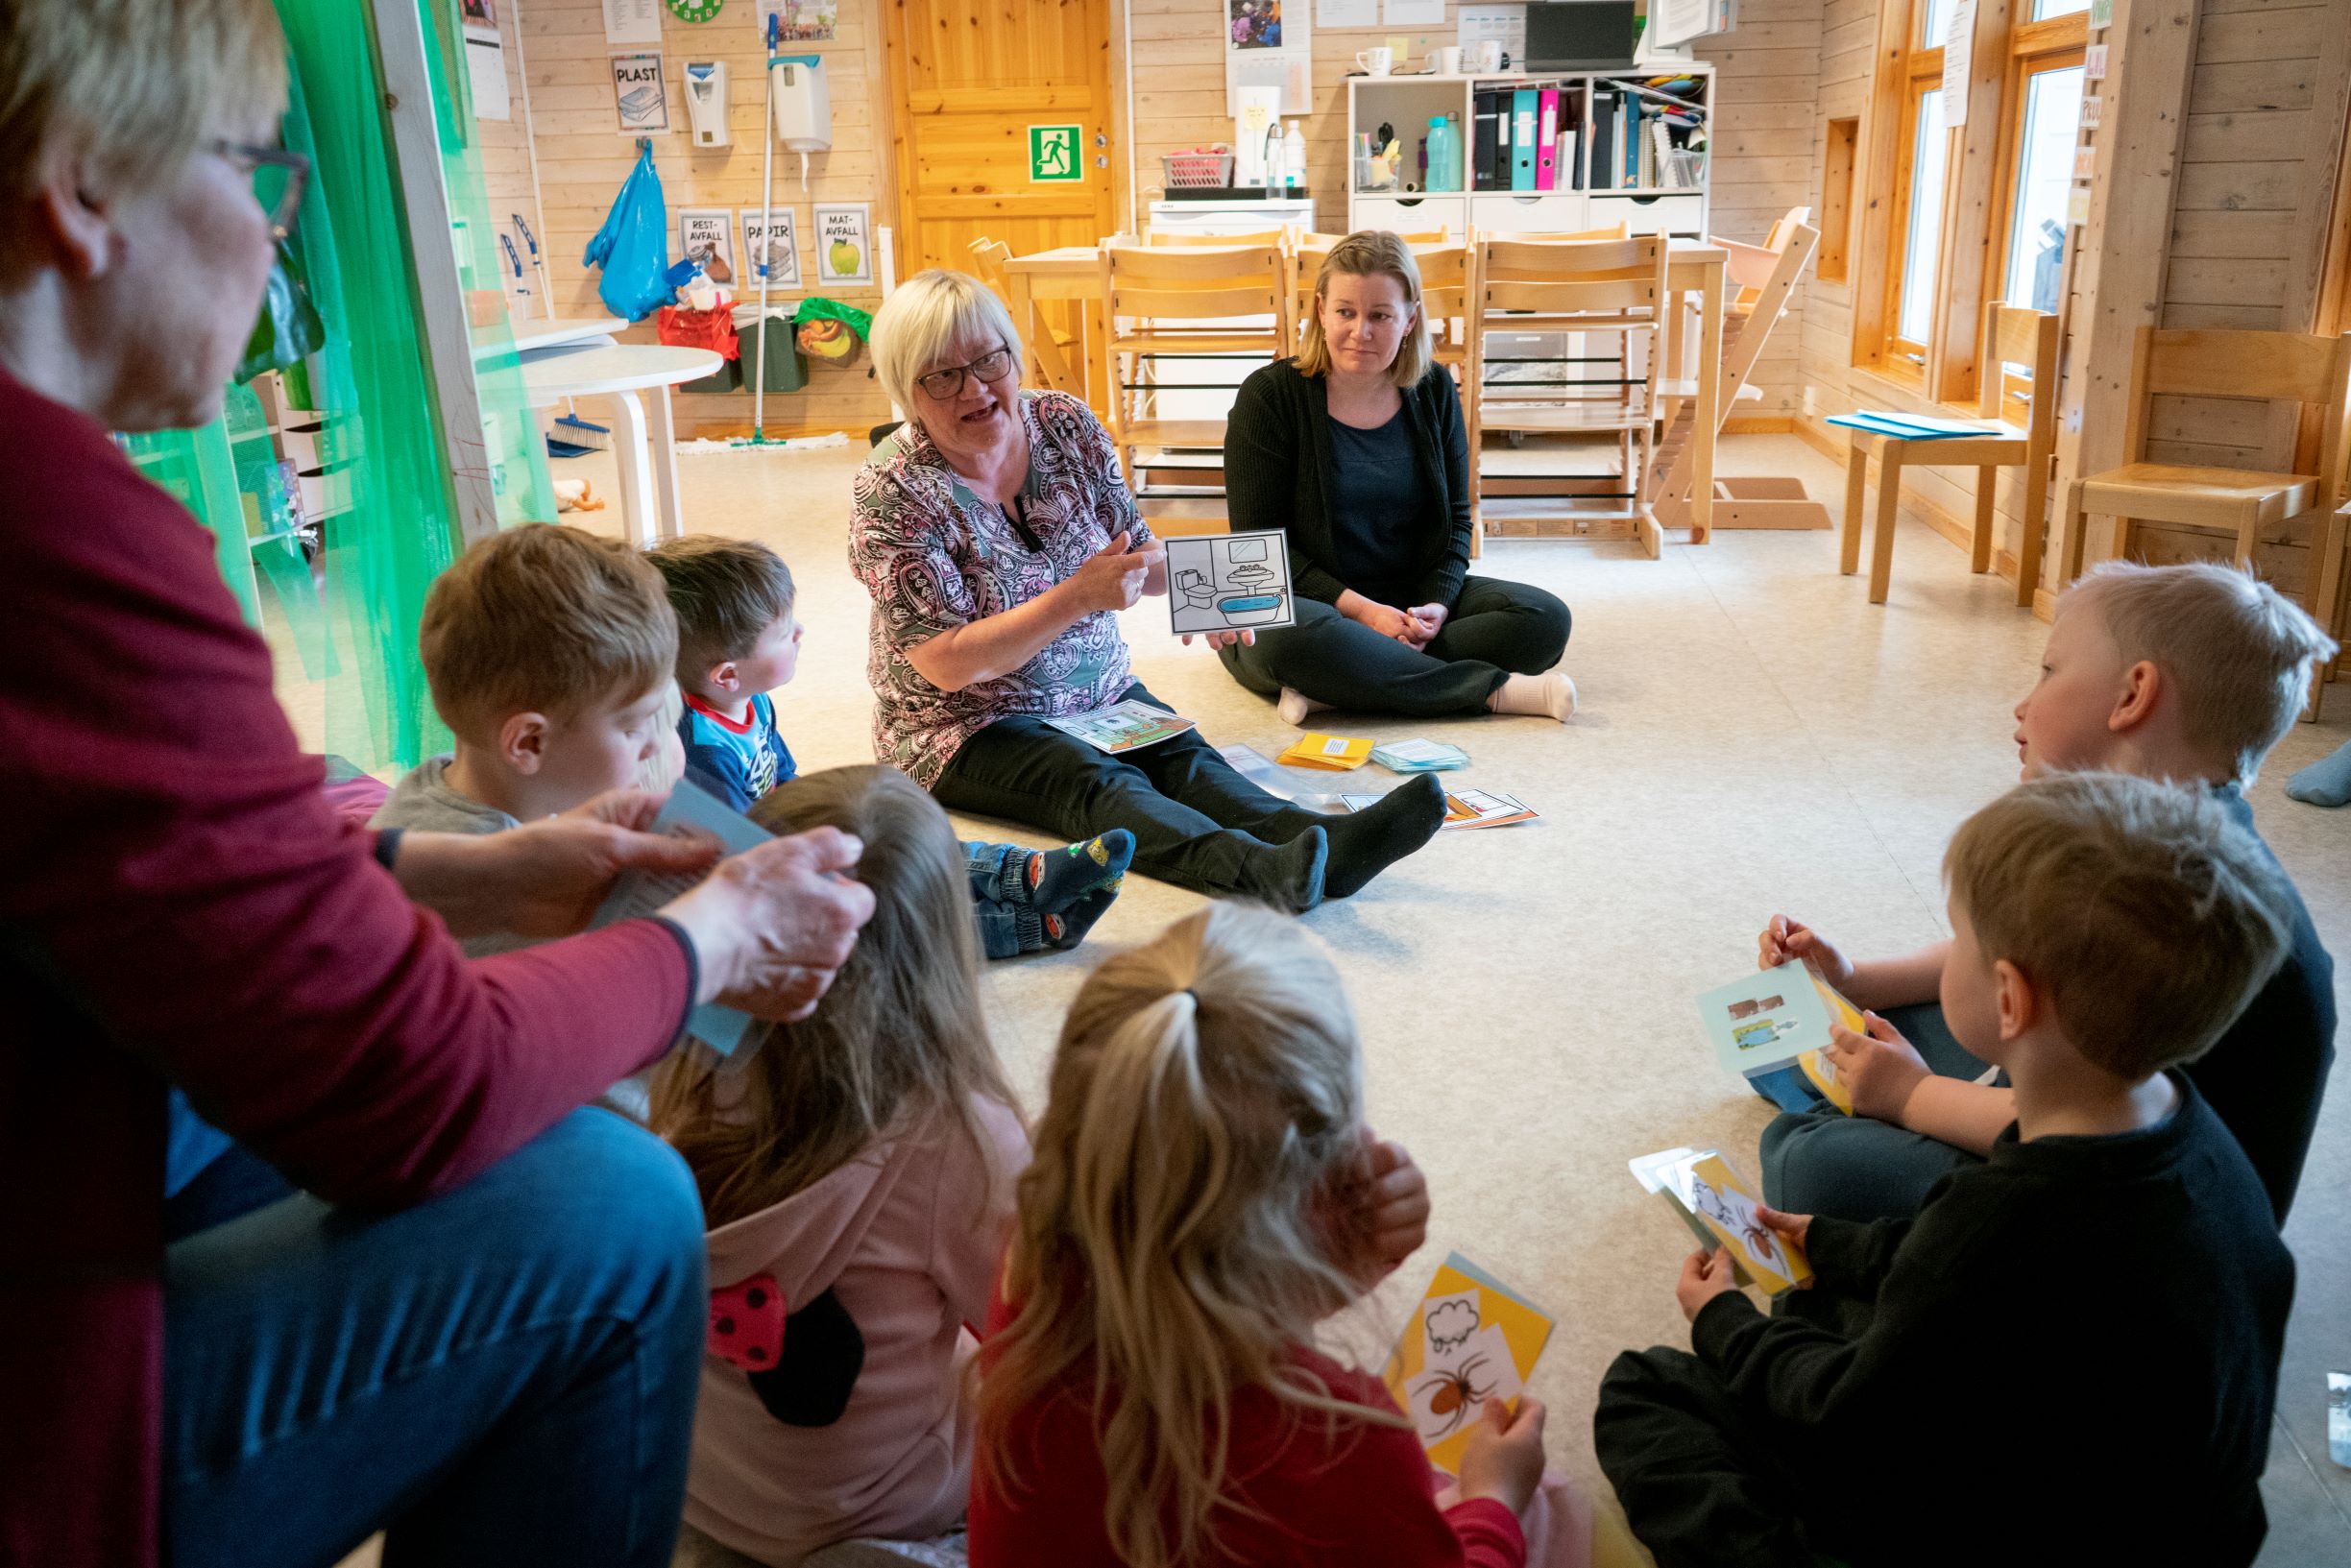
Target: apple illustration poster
(845, 244)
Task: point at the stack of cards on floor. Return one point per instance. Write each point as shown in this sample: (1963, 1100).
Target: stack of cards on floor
(1719, 1208)
(1484, 809)
(1419, 756)
(1123, 726)
(1334, 753)
(1471, 1338)
(1770, 1019)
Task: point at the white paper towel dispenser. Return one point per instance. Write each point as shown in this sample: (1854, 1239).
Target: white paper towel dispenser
(803, 106)
(706, 102)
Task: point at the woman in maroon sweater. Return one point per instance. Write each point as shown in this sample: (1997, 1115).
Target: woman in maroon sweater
(482, 1326)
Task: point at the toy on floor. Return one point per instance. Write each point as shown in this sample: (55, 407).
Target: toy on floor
(574, 496)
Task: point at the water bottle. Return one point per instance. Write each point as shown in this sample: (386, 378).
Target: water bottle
(1445, 164)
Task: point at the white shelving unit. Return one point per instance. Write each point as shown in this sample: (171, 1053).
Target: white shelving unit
(1407, 103)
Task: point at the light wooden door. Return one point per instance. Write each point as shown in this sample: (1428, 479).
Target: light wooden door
(970, 85)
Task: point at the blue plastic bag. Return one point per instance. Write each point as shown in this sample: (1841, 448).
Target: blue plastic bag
(633, 247)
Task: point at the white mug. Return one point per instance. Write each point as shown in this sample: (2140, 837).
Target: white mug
(1489, 55)
(1445, 61)
(1378, 61)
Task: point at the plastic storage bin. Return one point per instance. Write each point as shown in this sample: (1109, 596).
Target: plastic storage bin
(786, 366)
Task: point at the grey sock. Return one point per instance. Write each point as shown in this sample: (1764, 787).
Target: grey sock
(2326, 781)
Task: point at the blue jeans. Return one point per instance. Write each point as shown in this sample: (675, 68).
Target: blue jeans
(1821, 1161)
(502, 1374)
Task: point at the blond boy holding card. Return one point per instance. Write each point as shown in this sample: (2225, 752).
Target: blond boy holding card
(2187, 673)
(2071, 1354)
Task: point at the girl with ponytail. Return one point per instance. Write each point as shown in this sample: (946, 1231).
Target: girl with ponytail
(1150, 1395)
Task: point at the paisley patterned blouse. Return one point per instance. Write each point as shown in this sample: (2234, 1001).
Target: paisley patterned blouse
(935, 555)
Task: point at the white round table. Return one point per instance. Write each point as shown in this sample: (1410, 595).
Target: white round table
(647, 443)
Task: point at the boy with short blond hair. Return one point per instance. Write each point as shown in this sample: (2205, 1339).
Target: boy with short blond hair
(2071, 1354)
(739, 637)
(548, 653)
(2186, 673)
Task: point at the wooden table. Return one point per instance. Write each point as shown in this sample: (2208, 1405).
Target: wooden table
(647, 443)
(1070, 272)
(1073, 272)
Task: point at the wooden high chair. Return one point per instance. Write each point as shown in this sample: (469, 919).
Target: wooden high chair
(1765, 275)
(1049, 345)
(1182, 300)
(1613, 286)
(2010, 337)
(2301, 368)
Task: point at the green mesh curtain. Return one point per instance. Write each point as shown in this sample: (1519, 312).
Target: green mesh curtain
(390, 522)
(510, 430)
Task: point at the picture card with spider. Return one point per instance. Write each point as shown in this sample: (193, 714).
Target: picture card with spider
(1718, 1206)
(1471, 1338)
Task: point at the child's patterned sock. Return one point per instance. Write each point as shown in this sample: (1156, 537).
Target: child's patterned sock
(1056, 880)
(1069, 927)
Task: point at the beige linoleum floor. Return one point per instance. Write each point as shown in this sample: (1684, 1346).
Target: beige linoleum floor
(1753, 736)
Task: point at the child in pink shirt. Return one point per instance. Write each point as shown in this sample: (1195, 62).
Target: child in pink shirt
(857, 1179)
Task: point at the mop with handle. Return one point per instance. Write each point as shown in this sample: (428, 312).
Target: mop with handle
(758, 437)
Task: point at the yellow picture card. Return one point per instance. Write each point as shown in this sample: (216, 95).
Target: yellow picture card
(1820, 1071)
(1333, 753)
(1840, 1011)
(1471, 1338)
(1721, 1201)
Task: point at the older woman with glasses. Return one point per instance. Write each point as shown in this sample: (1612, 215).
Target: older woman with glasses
(479, 1320)
(999, 544)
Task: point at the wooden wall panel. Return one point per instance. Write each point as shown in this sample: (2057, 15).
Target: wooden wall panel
(2258, 171)
(583, 158)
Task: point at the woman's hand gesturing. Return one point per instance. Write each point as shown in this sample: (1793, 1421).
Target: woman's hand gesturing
(1113, 579)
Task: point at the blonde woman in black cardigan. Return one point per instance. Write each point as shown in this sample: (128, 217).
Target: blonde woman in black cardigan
(1355, 450)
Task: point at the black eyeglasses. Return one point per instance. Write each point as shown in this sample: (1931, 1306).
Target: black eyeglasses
(278, 179)
(990, 367)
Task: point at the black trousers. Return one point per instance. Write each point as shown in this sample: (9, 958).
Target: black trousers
(1700, 1486)
(1496, 629)
(1197, 823)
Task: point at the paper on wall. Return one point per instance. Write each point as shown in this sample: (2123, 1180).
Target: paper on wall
(1348, 13)
(784, 250)
(707, 232)
(1504, 25)
(486, 73)
(1412, 13)
(632, 21)
(1958, 52)
(642, 97)
(844, 243)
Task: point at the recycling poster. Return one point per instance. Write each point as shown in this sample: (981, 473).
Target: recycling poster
(845, 244)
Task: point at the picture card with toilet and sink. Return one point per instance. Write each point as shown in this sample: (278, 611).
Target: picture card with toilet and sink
(1229, 582)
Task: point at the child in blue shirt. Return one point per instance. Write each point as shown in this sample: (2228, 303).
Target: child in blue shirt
(739, 640)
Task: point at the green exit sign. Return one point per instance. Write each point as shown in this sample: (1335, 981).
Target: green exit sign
(1053, 154)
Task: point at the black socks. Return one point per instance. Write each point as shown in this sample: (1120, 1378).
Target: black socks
(1367, 842)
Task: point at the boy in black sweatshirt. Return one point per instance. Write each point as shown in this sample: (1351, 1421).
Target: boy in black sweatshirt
(2069, 1356)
